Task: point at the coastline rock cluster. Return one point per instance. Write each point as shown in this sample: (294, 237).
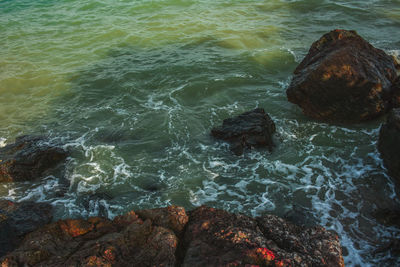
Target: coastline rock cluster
(171, 237)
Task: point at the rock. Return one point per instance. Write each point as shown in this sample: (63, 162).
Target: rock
(388, 216)
(218, 238)
(172, 217)
(128, 240)
(313, 246)
(389, 143)
(28, 158)
(250, 129)
(343, 79)
(18, 219)
(167, 237)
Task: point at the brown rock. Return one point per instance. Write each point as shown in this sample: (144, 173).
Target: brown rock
(28, 158)
(218, 238)
(313, 246)
(343, 78)
(211, 237)
(125, 241)
(248, 130)
(172, 217)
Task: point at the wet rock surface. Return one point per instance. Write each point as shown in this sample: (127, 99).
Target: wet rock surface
(168, 237)
(28, 158)
(218, 238)
(248, 130)
(343, 79)
(314, 246)
(389, 143)
(127, 240)
(18, 219)
(172, 217)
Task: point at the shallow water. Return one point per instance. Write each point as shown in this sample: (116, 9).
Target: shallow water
(134, 87)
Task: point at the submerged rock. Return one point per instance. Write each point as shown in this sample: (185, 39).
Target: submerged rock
(343, 78)
(250, 129)
(28, 158)
(18, 219)
(389, 143)
(388, 216)
(218, 238)
(168, 237)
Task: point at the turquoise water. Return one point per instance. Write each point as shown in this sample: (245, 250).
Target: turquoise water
(134, 87)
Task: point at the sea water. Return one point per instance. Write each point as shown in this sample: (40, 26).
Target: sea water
(133, 88)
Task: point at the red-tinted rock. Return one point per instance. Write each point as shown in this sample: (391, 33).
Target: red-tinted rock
(343, 78)
(211, 237)
(301, 246)
(218, 238)
(28, 158)
(248, 130)
(125, 241)
(18, 219)
(389, 143)
(172, 217)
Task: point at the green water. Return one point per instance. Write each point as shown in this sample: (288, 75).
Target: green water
(134, 87)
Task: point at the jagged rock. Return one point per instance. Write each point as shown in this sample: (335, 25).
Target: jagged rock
(250, 129)
(218, 238)
(172, 217)
(298, 245)
(18, 219)
(343, 78)
(167, 237)
(28, 158)
(389, 143)
(128, 240)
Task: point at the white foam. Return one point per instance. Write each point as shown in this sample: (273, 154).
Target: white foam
(396, 57)
(3, 142)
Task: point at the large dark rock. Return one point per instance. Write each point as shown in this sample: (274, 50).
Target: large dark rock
(168, 237)
(128, 240)
(28, 158)
(343, 78)
(18, 219)
(389, 143)
(250, 129)
(218, 238)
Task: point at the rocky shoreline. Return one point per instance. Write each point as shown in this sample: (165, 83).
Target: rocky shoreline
(173, 237)
(342, 79)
